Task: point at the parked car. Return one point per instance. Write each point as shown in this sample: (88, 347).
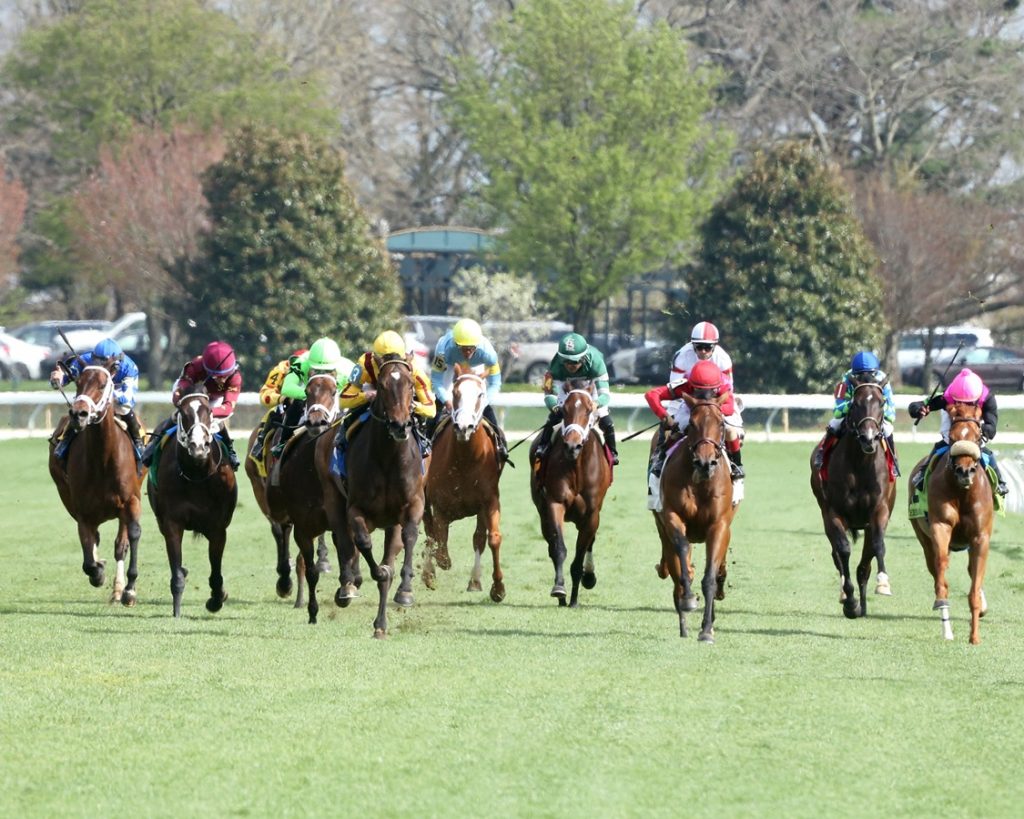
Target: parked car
(21, 359)
(910, 352)
(525, 348)
(649, 364)
(1001, 368)
(81, 334)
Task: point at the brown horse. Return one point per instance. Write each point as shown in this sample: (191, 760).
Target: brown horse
(463, 482)
(696, 507)
(857, 495)
(384, 490)
(192, 487)
(322, 410)
(960, 514)
(569, 485)
(100, 481)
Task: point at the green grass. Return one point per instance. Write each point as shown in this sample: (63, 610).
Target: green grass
(522, 709)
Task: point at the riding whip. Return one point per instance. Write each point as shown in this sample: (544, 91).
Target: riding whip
(527, 438)
(633, 435)
(64, 366)
(942, 380)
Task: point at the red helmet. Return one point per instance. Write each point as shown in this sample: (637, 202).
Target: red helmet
(219, 358)
(705, 375)
(704, 332)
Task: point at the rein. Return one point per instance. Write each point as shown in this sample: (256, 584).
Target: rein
(720, 443)
(182, 438)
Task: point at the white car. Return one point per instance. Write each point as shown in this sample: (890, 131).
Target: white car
(910, 353)
(21, 359)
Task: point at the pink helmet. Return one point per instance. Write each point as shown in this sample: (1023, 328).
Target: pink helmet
(967, 387)
(704, 332)
(219, 358)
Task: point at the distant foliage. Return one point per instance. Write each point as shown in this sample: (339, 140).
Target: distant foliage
(787, 275)
(290, 255)
(13, 198)
(501, 296)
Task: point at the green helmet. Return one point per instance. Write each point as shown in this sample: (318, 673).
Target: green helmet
(324, 355)
(572, 347)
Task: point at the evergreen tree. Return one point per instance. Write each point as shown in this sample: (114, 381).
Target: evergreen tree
(290, 256)
(787, 275)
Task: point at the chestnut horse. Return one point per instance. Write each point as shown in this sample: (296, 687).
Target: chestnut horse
(384, 489)
(463, 482)
(569, 485)
(321, 411)
(960, 514)
(192, 487)
(857, 495)
(696, 507)
(99, 480)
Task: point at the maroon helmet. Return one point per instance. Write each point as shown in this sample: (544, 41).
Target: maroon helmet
(219, 359)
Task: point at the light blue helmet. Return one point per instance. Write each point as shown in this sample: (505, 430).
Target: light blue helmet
(107, 348)
(864, 361)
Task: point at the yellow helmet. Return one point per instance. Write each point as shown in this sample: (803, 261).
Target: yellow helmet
(467, 333)
(389, 343)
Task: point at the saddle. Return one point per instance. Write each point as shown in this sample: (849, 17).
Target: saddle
(830, 443)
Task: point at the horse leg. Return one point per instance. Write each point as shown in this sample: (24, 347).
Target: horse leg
(128, 598)
(348, 559)
(479, 541)
(172, 537)
(551, 528)
(682, 590)
(976, 563)
(836, 532)
(716, 548)
(940, 534)
(323, 558)
(409, 532)
(307, 560)
(282, 534)
(494, 542)
(89, 537)
(301, 568)
(217, 541)
(436, 527)
(585, 535)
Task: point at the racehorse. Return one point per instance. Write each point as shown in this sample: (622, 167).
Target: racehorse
(321, 410)
(192, 487)
(384, 489)
(99, 481)
(463, 482)
(960, 514)
(696, 507)
(570, 485)
(857, 495)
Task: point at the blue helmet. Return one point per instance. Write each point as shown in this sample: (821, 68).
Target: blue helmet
(864, 362)
(107, 348)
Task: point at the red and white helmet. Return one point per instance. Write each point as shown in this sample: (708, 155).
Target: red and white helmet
(704, 332)
(705, 375)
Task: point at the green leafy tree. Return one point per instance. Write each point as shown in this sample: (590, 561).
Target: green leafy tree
(787, 275)
(87, 77)
(290, 255)
(592, 136)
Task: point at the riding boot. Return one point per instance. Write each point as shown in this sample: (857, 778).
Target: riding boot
(658, 457)
(292, 417)
(60, 451)
(341, 436)
(1001, 488)
(609, 437)
(500, 442)
(917, 479)
(135, 431)
(544, 441)
(419, 433)
(154, 440)
(230, 446)
(736, 465)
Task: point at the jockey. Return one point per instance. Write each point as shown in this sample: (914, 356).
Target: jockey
(126, 378)
(324, 356)
(466, 344)
(705, 382)
(217, 370)
(271, 398)
(577, 360)
(703, 346)
(361, 388)
(966, 388)
(864, 367)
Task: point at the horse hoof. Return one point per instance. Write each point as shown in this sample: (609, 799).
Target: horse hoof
(589, 580)
(882, 586)
(403, 599)
(498, 592)
(380, 634)
(323, 566)
(559, 592)
(214, 604)
(474, 585)
(706, 637)
(344, 595)
(690, 602)
(129, 599)
(284, 586)
(97, 579)
(851, 609)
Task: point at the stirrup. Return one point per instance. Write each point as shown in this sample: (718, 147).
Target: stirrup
(1002, 489)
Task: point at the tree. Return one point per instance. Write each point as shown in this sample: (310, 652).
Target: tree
(787, 275)
(137, 224)
(13, 198)
(290, 256)
(594, 150)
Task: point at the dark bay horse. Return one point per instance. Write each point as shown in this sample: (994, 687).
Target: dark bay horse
(384, 489)
(463, 482)
(857, 495)
(99, 481)
(193, 488)
(960, 515)
(321, 411)
(696, 507)
(570, 485)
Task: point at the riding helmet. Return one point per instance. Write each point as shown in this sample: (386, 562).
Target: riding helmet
(324, 355)
(107, 348)
(864, 361)
(467, 333)
(389, 343)
(967, 387)
(572, 347)
(219, 359)
(704, 332)
(705, 375)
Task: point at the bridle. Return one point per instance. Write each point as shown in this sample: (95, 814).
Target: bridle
(197, 440)
(399, 430)
(697, 439)
(969, 447)
(328, 411)
(466, 419)
(582, 429)
(94, 410)
(867, 441)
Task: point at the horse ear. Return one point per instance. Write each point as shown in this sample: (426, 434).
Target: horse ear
(691, 400)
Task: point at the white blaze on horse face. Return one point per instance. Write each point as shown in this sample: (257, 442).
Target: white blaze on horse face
(395, 374)
(199, 435)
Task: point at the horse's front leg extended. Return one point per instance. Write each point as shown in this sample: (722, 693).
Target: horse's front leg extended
(716, 549)
(941, 533)
(408, 532)
(218, 539)
(492, 520)
(679, 568)
(312, 574)
(282, 536)
(551, 527)
(585, 535)
(976, 562)
(835, 529)
(173, 534)
(89, 537)
(128, 598)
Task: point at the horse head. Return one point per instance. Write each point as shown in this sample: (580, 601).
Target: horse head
(705, 435)
(94, 389)
(321, 401)
(866, 414)
(395, 393)
(579, 413)
(195, 423)
(965, 442)
(469, 398)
